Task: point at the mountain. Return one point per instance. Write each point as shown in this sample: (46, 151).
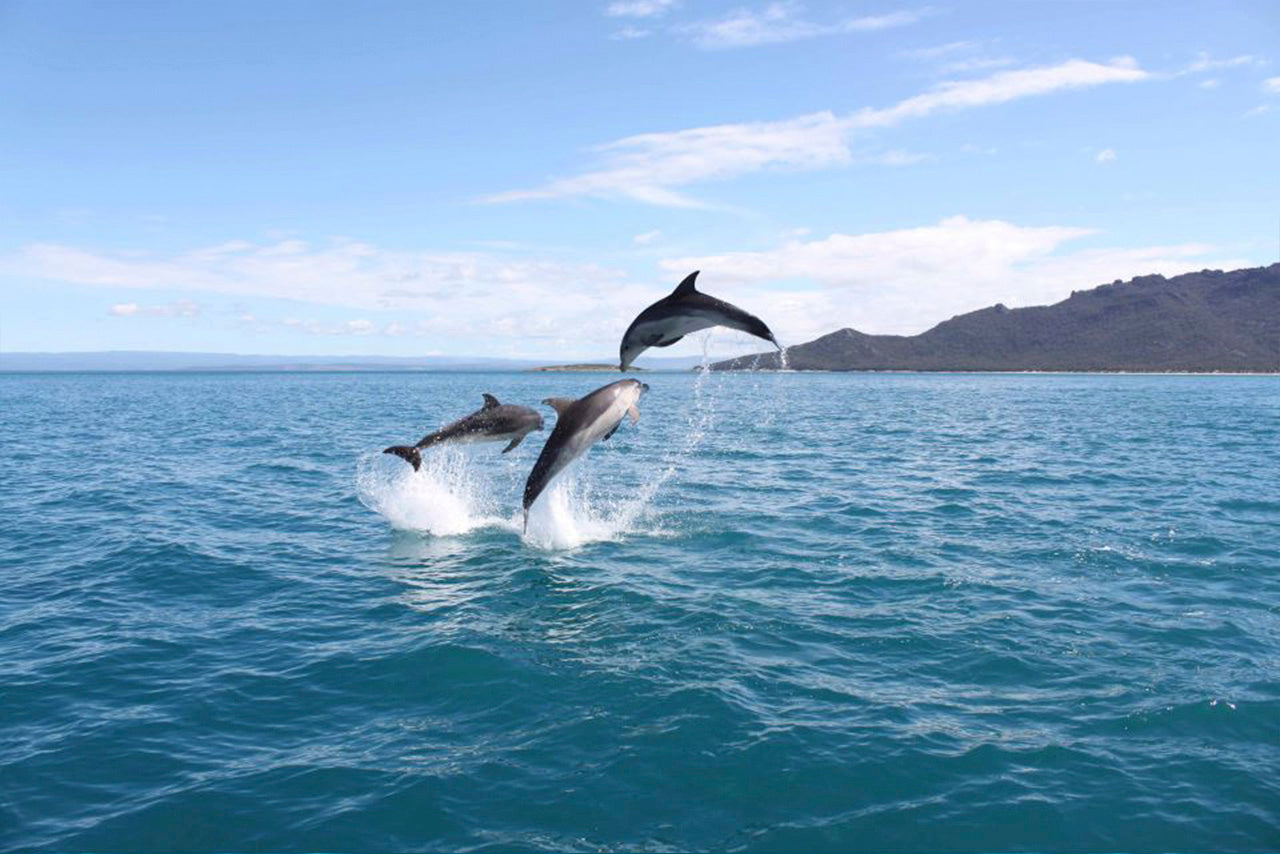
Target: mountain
(1206, 321)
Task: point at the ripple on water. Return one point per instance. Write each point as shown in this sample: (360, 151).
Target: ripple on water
(811, 612)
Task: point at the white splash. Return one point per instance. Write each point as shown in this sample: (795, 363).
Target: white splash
(444, 498)
(570, 514)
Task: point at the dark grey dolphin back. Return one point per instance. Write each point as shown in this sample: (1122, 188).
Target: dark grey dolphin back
(688, 303)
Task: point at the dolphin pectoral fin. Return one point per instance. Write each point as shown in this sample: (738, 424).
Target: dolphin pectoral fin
(516, 441)
(606, 436)
(686, 287)
(632, 413)
(490, 401)
(409, 454)
(668, 342)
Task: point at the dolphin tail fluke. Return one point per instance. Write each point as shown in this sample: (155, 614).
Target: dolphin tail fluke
(407, 453)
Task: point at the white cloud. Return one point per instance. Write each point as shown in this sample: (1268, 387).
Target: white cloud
(646, 238)
(629, 33)
(959, 57)
(783, 22)
(1271, 85)
(1211, 83)
(639, 8)
(180, 308)
(650, 167)
(1261, 109)
(977, 63)
(1204, 63)
(310, 326)
(1001, 88)
(646, 167)
(893, 281)
(906, 281)
(930, 54)
(527, 305)
(896, 157)
(1106, 155)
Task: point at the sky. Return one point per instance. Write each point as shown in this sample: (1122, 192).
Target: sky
(521, 179)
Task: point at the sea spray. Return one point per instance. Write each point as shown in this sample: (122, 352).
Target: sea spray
(571, 513)
(459, 490)
(445, 498)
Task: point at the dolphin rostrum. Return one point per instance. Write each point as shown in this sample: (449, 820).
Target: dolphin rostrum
(493, 422)
(685, 310)
(579, 425)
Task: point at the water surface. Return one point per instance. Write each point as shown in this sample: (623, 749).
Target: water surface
(820, 612)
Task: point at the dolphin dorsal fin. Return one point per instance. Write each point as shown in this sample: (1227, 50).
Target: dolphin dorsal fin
(490, 401)
(559, 404)
(686, 287)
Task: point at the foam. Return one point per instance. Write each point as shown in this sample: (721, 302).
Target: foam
(444, 498)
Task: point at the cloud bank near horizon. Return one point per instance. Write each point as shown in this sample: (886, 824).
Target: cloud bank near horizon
(900, 281)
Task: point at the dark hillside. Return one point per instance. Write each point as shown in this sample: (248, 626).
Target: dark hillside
(1206, 321)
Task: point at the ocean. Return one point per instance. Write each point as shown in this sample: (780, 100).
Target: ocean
(814, 612)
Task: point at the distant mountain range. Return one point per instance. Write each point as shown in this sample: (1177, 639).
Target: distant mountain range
(1200, 322)
(148, 360)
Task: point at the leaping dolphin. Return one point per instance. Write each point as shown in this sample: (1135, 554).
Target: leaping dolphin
(493, 422)
(579, 425)
(685, 310)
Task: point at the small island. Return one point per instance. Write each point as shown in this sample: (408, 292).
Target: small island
(594, 368)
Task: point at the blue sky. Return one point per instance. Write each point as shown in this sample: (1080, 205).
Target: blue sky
(522, 178)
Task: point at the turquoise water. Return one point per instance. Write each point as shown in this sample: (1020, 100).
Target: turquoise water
(819, 612)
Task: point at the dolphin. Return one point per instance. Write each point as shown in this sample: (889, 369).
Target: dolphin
(685, 310)
(579, 425)
(493, 422)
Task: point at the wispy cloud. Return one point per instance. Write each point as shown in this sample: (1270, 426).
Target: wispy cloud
(1001, 88)
(652, 167)
(1105, 156)
(1204, 63)
(180, 308)
(958, 57)
(1271, 85)
(784, 22)
(647, 167)
(358, 326)
(639, 8)
(629, 33)
(941, 51)
(646, 238)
